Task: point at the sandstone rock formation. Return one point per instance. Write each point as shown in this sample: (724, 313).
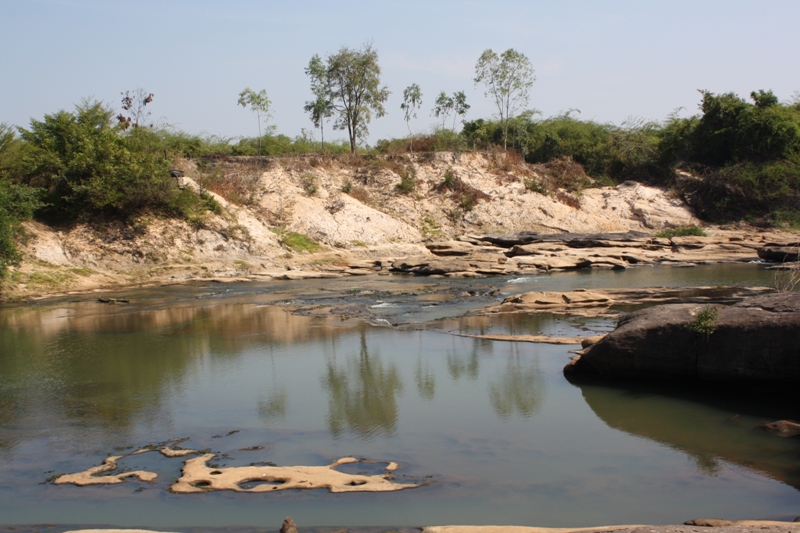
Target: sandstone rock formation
(602, 302)
(351, 207)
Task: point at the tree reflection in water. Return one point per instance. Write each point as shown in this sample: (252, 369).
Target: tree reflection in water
(520, 388)
(363, 394)
(468, 366)
(425, 380)
(273, 407)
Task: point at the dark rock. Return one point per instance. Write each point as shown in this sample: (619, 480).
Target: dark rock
(573, 240)
(708, 522)
(176, 173)
(757, 339)
(779, 254)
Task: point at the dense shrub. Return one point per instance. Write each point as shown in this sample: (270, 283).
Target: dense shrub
(88, 166)
(17, 203)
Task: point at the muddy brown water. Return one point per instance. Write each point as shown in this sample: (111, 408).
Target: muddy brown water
(302, 373)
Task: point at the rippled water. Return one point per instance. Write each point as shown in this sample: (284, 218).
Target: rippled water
(494, 427)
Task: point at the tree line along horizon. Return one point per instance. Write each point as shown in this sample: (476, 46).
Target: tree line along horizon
(92, 164)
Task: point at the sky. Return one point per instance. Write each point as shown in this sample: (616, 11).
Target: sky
(612, 60)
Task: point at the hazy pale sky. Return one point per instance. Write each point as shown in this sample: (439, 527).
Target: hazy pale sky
(609, 59)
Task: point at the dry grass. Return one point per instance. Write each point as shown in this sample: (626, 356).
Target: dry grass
(563, 173)
(788, 277)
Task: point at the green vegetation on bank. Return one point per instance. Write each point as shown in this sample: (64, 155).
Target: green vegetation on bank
(682, 231)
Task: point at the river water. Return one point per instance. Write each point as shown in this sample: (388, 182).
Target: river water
(368, 367)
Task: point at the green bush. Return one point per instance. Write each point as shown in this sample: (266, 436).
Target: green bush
(297, 241)
(17, 203)
(705, 322)
(408, 181)
(89, 166)
(682, 231)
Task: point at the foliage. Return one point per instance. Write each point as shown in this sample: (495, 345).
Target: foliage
(534, 185)
(412, 100)
(455, 104)
(354, 89)
(681, 231)
(321, 107)
(463, 194)
(449, 180)
(408, 181)
(17, 203)
(259, 103)
(748, 155)
(297, 241)
(508, 79)
(135, 106)
(185, 145)
(705, 322)
(309, 183)
(88, 166)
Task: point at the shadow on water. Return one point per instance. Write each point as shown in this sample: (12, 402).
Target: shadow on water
(711, 423)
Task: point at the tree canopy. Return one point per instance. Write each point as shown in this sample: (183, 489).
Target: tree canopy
(259, 103)
(508, 79)
(354, 89)
(412, 100)
(321, 107)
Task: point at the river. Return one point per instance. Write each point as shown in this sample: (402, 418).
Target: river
(303, 373)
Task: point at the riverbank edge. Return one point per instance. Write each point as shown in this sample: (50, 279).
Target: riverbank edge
(738, 526)
(452, 259)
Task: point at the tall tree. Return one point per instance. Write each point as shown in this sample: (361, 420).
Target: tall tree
(321, 107)
(443, 107)
(455, 104)
(412, 100)
(354, 79)
(508, 79)
(460, 106)
(259, 103)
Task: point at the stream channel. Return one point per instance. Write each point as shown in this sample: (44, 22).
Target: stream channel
(306, 372)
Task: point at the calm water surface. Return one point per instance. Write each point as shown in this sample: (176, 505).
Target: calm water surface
(496, 429)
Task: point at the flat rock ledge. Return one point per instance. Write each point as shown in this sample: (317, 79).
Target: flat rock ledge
(532, 253)
(610, 302)
(756, 340)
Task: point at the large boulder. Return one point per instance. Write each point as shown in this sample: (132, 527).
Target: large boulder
(757, 339)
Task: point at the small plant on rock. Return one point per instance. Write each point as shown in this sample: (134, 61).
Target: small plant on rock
(309, 183)
(705, 322)
(681, 231)
(408, 181)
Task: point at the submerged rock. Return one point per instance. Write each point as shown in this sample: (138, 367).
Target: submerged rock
(757, 339)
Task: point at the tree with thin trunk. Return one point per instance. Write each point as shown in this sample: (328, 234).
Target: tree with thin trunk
(508, 79)
(443, 107)
(412, 100)
(460, 106)
(321, 107)
(354, 79)
(259, 103)
(455, 104)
